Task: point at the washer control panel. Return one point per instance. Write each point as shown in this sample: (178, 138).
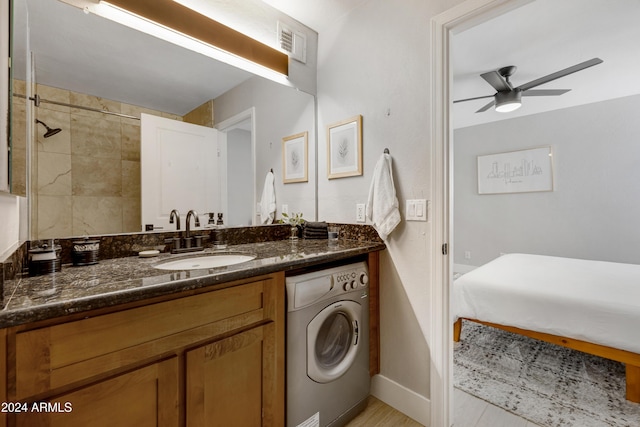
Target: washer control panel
(351, 280)
(308, 288)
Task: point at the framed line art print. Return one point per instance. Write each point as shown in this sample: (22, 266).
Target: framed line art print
(344, 148)
(295, 158)
(520, 171)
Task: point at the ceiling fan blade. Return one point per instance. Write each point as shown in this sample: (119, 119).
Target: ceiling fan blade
(561, 73)
(486, 107)
(472, 99)
(496, 80)
(545, 92)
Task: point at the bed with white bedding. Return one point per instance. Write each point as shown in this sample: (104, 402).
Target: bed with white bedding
(591, 306)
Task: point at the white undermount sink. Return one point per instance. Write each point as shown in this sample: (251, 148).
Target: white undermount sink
(204, 261)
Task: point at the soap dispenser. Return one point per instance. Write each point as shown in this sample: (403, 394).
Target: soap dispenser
(220, 234)
(211, 223)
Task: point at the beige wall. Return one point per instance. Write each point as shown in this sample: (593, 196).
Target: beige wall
(88, 175)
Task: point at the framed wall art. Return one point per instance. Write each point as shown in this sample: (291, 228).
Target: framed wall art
(516, 171)
(344, 148)
(295, 158)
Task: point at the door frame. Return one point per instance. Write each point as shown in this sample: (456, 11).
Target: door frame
(443, 27)
(228, 125)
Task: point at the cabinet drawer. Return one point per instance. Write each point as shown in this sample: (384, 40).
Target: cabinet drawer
(58, 355)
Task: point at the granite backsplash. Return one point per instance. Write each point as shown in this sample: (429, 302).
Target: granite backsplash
(126, 245)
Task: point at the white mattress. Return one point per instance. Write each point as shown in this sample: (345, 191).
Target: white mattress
(593, 301)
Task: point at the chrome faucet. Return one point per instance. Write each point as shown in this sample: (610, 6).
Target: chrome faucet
(197, 221)
(175, 214)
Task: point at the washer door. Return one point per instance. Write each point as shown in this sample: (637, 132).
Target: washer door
(333, 341)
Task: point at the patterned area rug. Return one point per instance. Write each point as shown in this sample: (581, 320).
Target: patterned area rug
(549, 385)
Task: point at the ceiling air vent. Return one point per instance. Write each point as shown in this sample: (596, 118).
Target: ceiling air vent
(292, 42)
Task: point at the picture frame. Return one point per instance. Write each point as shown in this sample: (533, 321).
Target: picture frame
(521, 171)
(295, 158)
(344, 148)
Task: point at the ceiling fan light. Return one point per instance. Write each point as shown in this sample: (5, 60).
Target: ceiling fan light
(508, 101)
(508, 107)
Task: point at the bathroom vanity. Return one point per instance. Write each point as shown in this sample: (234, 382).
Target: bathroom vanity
(124, 343)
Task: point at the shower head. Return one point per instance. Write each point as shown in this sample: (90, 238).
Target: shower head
(49, 132)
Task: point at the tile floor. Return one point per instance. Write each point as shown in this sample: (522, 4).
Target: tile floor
(469, 411)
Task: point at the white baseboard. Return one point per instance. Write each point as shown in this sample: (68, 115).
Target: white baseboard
(401, 398)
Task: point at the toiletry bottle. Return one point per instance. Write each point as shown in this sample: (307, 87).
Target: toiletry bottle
(220, 234)
(211, 223)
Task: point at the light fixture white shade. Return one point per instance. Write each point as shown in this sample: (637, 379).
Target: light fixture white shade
(508, 107)
(508, 101)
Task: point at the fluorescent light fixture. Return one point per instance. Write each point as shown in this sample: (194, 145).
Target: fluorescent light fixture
(508, 101)
(164, 32)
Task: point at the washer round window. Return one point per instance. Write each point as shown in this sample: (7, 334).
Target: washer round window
(334, 339)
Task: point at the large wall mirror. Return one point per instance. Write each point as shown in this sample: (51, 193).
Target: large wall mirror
(80, 84)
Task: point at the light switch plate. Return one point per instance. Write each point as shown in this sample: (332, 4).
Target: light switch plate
(416, 210)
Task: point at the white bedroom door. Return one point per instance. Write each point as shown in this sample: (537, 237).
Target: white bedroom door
(179, 167)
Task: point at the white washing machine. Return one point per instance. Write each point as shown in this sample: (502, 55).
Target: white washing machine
(327, 346)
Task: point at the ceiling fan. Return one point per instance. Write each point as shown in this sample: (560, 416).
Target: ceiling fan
(508, 98)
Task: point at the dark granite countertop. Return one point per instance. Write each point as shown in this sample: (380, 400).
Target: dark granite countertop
(123, 280)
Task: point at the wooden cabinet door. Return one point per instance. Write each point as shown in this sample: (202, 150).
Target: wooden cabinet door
(145, 397)
(233, 382)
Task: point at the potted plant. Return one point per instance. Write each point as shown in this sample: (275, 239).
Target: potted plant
(295, 220)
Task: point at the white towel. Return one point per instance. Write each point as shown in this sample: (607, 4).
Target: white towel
(382, 206)
(268, 200)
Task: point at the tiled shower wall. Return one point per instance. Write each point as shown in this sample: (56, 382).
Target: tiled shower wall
(18, 141)
(88, 175)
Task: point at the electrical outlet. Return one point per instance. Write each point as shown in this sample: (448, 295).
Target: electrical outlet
(467, 254)
(360, 214)
(285, 209)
